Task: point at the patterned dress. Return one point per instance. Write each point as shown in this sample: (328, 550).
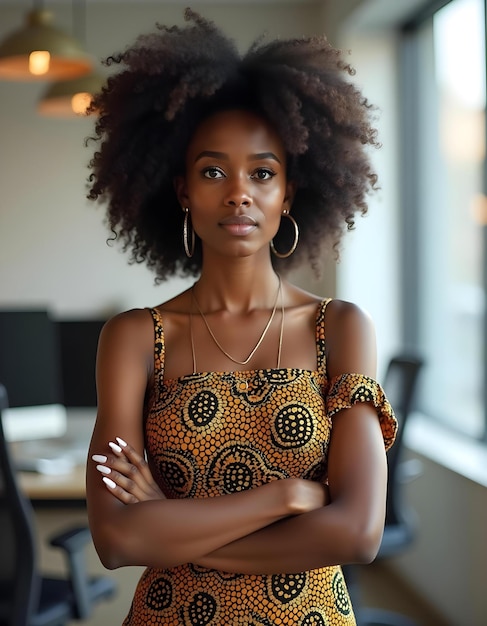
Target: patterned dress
(215, 433)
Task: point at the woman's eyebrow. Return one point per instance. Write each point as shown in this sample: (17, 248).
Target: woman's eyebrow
(264, 155)
(211, 154)
(223, 156)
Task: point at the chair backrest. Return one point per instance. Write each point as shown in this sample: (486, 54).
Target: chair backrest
(19, 583)
(400, 383)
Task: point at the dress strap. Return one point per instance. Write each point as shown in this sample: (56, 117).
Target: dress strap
(159, 348)
(320, 336)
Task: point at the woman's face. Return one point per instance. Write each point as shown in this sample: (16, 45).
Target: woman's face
(235, 183)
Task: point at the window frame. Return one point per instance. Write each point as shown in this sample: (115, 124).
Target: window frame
(408, 86)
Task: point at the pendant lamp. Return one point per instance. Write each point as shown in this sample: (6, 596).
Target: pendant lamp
(70, 98)
(39, 51)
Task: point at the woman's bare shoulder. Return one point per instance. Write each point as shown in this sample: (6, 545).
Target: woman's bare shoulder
(298, 297)
(134, 326)
(181, 303)
(139, 321)
(126, 348)
(345, 316)
(350, 339)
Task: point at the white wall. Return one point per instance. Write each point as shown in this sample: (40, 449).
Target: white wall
(368, 271)
(53, 248)
(447, 563)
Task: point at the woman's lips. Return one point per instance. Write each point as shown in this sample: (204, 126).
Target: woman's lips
(239, 226)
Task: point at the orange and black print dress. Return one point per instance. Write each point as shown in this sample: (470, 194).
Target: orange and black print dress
(215, 433)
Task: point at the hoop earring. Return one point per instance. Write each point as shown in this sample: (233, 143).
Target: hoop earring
(284, 255)
(189, 251)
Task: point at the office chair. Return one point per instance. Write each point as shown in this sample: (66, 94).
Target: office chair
(26, 598)
(399, 384)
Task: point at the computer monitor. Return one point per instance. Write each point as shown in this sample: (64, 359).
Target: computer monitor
(30, 371)
(79, 343)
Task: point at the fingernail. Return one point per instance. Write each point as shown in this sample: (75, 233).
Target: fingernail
(99, 458)
(109, 482)
(103, 469)
(121, 442)
(114, 447)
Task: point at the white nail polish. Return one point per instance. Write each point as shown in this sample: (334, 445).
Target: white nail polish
(109, 482)
(121, 442)
(103, 469)
(99, 458)
(114, 447)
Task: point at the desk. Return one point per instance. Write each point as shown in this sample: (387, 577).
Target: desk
(68, 485)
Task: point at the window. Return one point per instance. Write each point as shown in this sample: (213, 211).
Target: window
(445, 209)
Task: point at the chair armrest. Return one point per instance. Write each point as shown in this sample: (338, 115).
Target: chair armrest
(72, 540)
(73, 543)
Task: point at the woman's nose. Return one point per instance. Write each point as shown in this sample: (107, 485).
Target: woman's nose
(238, 193)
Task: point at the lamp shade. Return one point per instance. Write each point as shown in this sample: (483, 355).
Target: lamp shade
(70, 98)
(39, 51)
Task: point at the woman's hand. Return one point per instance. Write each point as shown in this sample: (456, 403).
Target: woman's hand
(303, 496)
(127, 475)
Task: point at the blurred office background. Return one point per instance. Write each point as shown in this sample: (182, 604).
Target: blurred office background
(416, 262)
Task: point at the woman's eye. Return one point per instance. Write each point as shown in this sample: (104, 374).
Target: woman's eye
(213, 172)
(263, 174)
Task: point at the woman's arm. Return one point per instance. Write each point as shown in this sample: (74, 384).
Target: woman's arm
(326, 536)
(163, 533)
(350, 528)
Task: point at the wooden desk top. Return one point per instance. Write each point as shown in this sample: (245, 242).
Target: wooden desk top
(66, 481)
(69, 486)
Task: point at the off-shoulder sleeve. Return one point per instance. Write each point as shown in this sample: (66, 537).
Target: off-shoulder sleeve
(346, 390)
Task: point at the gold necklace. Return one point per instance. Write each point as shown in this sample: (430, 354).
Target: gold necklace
(261, 338)
(281, 332)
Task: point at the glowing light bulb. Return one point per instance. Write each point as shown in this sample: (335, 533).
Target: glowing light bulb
(80, 102)
(39, 61)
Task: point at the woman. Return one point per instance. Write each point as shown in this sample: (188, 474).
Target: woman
(253, 401)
